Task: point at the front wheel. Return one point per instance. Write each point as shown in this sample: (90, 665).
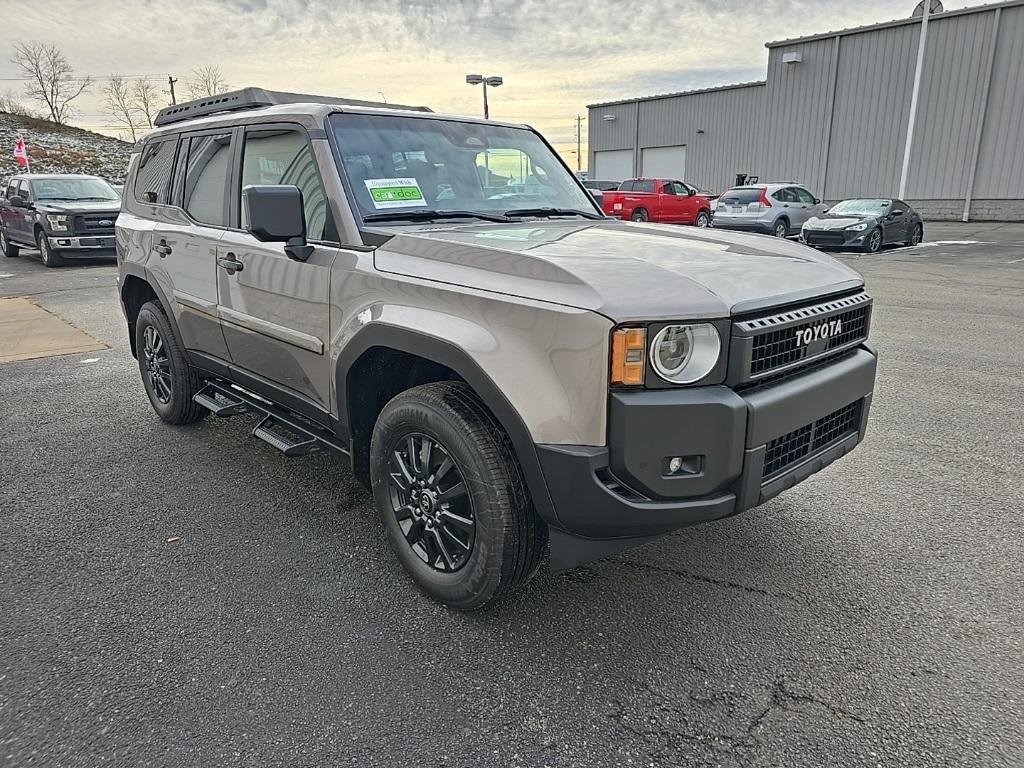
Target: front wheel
(874, 242)
(9, 249)
(639, 214)
(47, 255)
(703, 220)
(452, 498)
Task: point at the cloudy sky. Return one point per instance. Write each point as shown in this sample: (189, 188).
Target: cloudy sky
(556, 55)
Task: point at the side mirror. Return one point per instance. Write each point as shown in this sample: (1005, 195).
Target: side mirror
(18, 202)
(817, 201)
(274, 213)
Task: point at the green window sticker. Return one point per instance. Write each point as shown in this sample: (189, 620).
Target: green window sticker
(395, 193)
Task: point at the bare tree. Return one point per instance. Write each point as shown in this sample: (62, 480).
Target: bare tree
(206, 81)
(12, 105)
(117, 92)
(145, 97)
(51, 77)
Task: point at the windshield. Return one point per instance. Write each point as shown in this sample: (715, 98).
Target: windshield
(861, 207)
(404, 165)
(73, 189)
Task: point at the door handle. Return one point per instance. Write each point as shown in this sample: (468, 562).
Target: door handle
(162, 248)
(230, 264)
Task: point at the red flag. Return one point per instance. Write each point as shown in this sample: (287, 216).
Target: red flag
(21, 153)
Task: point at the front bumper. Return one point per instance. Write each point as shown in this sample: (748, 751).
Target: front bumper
(833, 238)
(90, 245)
(740, 449)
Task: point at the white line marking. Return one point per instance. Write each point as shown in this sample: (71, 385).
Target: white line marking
(1015, 261)
(90, 360)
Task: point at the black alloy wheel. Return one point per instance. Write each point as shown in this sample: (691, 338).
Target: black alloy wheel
(874, 242)
(157, 364)
(917, 235)
(431, 502)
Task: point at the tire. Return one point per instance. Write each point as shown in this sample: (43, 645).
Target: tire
(640, 214)
(873, 244)
(506, 539)
(703, 220)
(170, 381)
(9, 249)
(48, 257)
(916, 236)
(781, 229)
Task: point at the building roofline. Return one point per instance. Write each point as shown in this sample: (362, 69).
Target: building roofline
(655, 97)
(894, 23)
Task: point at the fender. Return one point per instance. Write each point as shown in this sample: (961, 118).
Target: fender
(455, 358)
(140, 271)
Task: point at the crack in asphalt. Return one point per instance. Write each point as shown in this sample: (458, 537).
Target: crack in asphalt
(782, 696)
(708, 580)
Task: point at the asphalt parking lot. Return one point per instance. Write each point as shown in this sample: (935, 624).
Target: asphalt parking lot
(190, 597)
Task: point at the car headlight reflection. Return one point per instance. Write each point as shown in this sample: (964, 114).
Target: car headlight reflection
(58, 222)
(857, 227)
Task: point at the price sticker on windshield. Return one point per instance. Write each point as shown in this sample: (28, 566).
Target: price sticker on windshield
(395, 193)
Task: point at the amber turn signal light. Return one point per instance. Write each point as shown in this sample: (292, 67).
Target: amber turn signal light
(628, 349)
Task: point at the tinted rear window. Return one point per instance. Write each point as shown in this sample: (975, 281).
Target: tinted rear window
(153, 179)
(643, 186)
(741, 196)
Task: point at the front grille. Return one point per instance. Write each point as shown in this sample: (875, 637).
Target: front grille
(783, 452)
(824, 238)
(89, 223)
(776, 349)
(787, 340)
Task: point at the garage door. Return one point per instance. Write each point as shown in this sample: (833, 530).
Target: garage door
(613, 165)
(664, 162)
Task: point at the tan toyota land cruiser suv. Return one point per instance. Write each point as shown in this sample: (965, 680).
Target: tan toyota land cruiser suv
(439, 300)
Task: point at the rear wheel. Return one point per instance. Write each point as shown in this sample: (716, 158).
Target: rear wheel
(451, 496)
(640, 214)
(170, 381)
(703, 220)
(873, 244)
(10, 250)
(916, 236)
(47, 255)
(781, 228)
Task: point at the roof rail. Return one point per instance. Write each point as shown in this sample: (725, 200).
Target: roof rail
(253, 98)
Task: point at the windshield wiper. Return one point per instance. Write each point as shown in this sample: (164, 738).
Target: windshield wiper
(549, 212)
(429, 215)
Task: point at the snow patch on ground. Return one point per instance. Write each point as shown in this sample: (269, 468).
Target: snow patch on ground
(61, 149)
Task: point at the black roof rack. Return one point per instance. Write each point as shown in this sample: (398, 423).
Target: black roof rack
(252, 98)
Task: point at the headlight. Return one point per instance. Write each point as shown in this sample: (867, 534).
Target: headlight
(683, 354)
(58, 222)
(857, 227)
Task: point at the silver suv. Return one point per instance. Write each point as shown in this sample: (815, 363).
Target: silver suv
(438, 301)
(776, 208)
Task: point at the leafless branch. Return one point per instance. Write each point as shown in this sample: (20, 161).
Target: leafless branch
(145, 97)
(51, 78)
(119, 103)
(206, 81)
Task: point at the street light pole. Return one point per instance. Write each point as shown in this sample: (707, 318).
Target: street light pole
(494, 81)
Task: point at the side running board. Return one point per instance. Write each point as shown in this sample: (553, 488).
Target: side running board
(290, 434)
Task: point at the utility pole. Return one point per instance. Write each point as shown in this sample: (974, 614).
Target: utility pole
(579, 131)
(922, 39)
(171, 81)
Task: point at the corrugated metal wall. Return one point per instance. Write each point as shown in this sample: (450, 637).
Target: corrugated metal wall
(872, 106)
(838, 123)
(1001, 161)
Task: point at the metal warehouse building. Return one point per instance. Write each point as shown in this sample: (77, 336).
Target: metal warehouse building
(833, 113)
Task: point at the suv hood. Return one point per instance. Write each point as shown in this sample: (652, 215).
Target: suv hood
(623, 270)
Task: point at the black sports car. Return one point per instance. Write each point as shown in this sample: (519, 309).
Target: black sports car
(864, 224)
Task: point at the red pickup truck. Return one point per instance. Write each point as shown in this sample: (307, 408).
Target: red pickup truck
(661, 200)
